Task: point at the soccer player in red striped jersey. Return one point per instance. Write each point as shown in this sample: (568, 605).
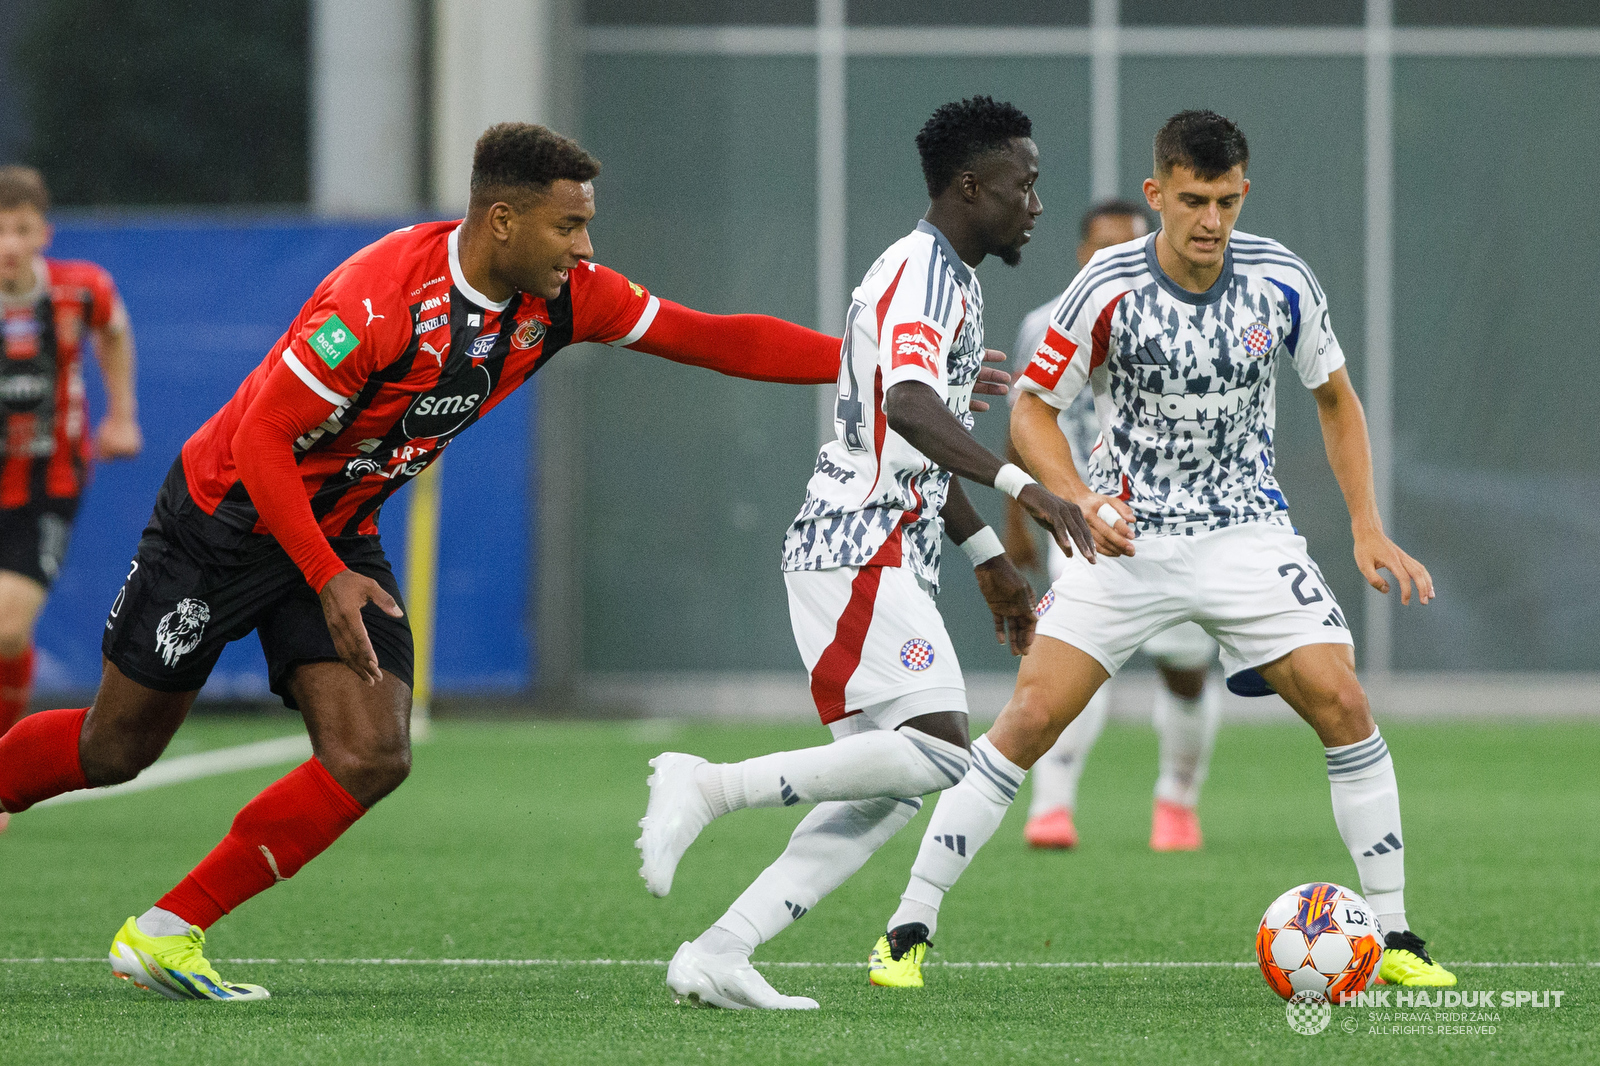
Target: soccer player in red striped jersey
(50, 307)
(268, 519)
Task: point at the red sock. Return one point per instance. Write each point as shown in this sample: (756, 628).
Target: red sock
(16, 685)
(39, 758)
(279, 831)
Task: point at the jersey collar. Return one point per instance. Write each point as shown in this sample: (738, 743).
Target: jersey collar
(962, 272)
(460, 279)
(1210, 296)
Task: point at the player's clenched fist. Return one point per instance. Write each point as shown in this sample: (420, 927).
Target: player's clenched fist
(1111, 522)
(342, 599)
(1064, 520)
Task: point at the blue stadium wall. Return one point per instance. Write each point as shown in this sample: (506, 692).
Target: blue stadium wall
(208, 297)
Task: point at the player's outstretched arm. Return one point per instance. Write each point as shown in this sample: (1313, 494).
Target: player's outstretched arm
(1007, 592)
(763, 348)
(263, 450)
(918, 414)
(1036, 434)
(1344, 435)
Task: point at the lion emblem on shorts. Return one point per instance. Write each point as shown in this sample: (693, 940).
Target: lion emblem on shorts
(181, 629)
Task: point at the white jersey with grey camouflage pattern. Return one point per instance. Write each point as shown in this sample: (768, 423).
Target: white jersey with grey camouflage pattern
(916, 316)
(1184, 382)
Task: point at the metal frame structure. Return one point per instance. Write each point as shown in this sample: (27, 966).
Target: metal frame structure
(1105, 42)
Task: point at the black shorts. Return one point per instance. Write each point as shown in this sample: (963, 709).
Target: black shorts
(33, 537)
(198, 584)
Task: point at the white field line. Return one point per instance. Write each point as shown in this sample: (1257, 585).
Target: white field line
(524, 963)
(202, 764)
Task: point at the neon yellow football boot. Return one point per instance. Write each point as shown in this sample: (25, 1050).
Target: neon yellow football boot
(896, 959)
(1407, 962)
(173, 966)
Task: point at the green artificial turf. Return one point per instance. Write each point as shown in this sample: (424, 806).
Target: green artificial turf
(514, 842)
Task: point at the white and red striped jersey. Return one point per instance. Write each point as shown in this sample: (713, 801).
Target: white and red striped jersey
(874, 499)
(1184, 382)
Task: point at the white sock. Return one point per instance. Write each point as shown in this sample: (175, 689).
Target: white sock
(829, 845)
(1056, 774)
(901, 762)
(1187, 731)
(158, 922)
(963, 821)
(1366, 807)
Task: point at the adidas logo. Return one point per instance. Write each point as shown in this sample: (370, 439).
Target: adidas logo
(1149, 354)
(796, 910)
(1335, 619)
(786, 792)
(1389, 843)
(955, 842)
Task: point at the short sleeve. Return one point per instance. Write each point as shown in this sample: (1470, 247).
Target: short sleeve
(356, 323)
(917, 331)
(105, 303)
(1316, 350)
(607, 307)
(1060, 364)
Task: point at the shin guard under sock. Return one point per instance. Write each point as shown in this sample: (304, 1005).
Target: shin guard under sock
(1366, 807)
(290, 823)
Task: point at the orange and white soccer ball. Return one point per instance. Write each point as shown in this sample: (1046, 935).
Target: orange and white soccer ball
(1318, 937)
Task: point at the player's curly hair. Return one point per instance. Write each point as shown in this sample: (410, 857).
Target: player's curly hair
(961, 131)
(23, 187)
(517, 161)
(1202, 141)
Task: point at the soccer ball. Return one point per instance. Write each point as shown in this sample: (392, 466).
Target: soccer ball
(1318, 937)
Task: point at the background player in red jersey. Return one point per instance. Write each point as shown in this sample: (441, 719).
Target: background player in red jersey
(268, 520)
(49, 307)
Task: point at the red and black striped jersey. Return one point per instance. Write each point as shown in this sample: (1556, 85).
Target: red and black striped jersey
(410, 355)
(45, 446)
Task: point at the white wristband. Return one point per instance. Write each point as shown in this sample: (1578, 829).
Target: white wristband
(1012, 479)
(982, 546)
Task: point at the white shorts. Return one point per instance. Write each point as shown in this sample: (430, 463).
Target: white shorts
(1252, 587)
(873, 640)
(1183, 647)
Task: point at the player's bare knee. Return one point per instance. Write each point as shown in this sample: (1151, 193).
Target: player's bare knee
(1343, 715)
(114, 759)
(369, 772)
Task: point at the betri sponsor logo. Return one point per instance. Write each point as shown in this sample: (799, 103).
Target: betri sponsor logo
(1196, 407)
(916, 344)
(1050, 359)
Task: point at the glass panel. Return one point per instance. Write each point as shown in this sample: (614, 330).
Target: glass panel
(690, 478)
(1497, 464)
(890, 99)
(699, 13)
(961, 13)
(1243, 12)
(1303, 118)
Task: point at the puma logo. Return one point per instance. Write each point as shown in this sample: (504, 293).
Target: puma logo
(437, 353)
(370, 314)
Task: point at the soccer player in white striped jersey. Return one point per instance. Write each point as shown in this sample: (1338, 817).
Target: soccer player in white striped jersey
(1188, 704)
(861, 563)
(1180, 335)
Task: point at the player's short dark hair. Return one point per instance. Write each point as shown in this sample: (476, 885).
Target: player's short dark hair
(1112, 209)
(961, 131)
(23, 187)
(1202, 141)
(516, 162)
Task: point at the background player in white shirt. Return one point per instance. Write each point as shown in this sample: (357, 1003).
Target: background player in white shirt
(1179, 335)
(1188, 705)
(861, 562)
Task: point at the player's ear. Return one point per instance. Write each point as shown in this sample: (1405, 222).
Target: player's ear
(1152, 194)
(501, 220)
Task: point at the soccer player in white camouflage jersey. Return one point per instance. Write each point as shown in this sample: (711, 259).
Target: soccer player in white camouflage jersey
(1180, 335)
(1188, 704)
(861, 562)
